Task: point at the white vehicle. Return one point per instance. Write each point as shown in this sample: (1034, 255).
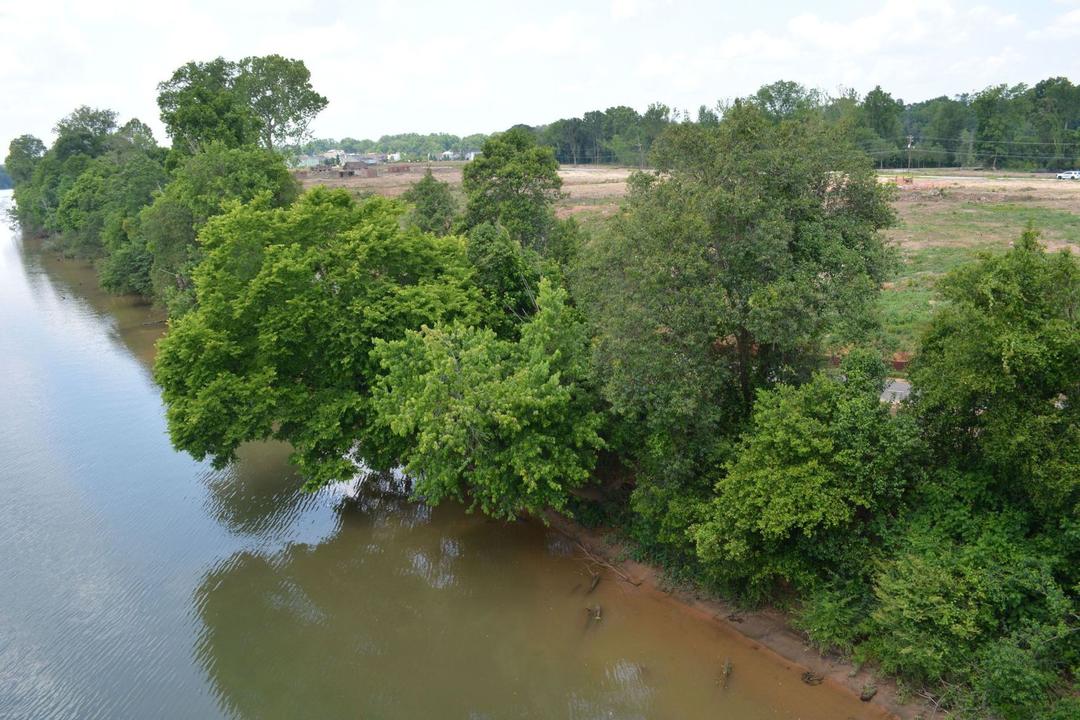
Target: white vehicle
(1069, 175)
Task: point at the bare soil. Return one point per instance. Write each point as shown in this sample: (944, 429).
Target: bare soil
(578, 182)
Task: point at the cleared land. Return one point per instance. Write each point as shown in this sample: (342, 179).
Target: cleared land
(945, 218)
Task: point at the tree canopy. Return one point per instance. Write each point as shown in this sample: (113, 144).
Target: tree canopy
(290, 303)
(725, 272)
(513, 184)
(267, 100)
(506, 426)
(434, 207)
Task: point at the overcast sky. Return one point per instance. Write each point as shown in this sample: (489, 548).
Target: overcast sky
(479, 66)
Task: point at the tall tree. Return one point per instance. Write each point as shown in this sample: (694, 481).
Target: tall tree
(723, 273)
(23, 153)
(433, 205)
(882, 114)
(514, 184)
(199, 105)
(278, 90)
(785, 99)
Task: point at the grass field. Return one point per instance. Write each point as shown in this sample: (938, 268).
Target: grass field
(945, 218)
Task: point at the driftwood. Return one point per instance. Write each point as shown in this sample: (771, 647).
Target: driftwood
(594, 583)
(725, 673)
(812, 678)
(604, 563)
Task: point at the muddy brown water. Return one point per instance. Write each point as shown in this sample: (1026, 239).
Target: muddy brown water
(138, 583)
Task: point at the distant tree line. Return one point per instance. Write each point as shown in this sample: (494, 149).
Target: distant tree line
(6, 183)
(1017, 127)
(1020, 126)
(506, 359)
(412, 146)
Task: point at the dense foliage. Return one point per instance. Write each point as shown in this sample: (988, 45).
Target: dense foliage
(267, 99)
(201, 187)
(514, 183)
(433, 205)
(725, 272)
(290, 303)
(110, 193)
(506, 426)
(506, 359)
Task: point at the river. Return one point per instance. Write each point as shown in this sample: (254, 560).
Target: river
(138, 583)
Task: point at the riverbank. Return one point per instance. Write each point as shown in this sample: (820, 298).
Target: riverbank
(766, 630)
(130, 557)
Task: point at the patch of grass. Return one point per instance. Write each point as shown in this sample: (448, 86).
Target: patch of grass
(935, 237)
(905, 308)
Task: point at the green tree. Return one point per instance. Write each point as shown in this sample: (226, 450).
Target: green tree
(200, 105)
(803, 497)
(23, 153)
(96, 213)
(785, 99)
(278, 90)
(290, 304)
(514, 184)
(433, 205)
(84, 132)
(507, 426)
(200, 188)
(725, 272)
(997, 371)
(881, 114)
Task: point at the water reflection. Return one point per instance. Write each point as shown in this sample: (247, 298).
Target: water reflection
(261, 495)
(132, 323)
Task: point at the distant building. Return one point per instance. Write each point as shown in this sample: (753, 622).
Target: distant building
(393, 157)
(448, 155)
(306, 161)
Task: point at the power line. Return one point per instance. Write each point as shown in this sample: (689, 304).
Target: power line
(935, 151)
(1004, 142)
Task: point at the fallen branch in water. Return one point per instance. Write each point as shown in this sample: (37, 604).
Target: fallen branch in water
(604, 563)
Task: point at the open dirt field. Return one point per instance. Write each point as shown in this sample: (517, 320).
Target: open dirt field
(579, 183)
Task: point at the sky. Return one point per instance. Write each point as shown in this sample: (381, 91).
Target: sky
(478, 66)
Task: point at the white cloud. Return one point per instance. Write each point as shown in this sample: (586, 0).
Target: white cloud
(389, 66)
(1066, 25)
